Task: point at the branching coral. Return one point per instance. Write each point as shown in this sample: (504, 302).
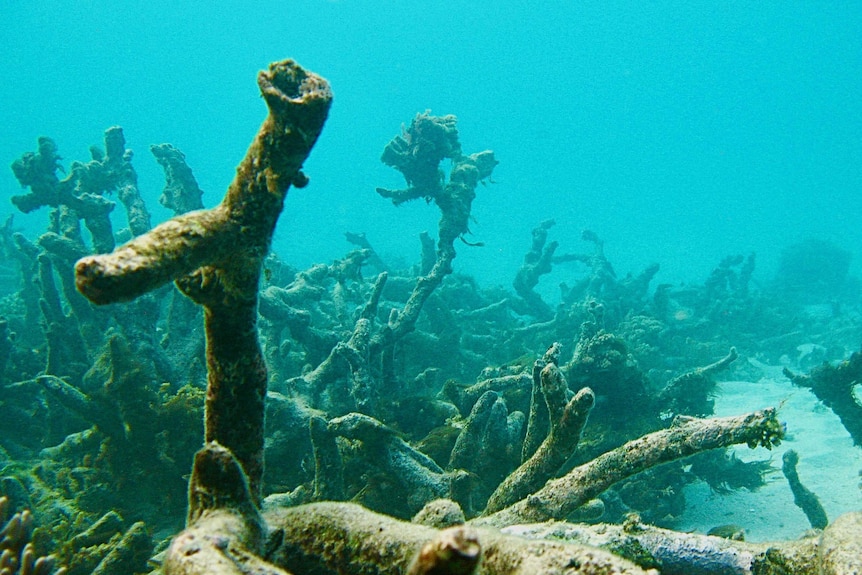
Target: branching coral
(417, 154)
(82, 191)
(343, 344)
(687, 436)
(216, 255)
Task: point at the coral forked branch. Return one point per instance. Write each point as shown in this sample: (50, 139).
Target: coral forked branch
(215, 257)
(234, 236)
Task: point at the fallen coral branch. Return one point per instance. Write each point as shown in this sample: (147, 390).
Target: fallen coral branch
(685, 437)
(346, 538)
(834, 552)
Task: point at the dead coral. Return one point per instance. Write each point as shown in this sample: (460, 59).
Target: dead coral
(687, 436)
(835, 385)
(216, 256)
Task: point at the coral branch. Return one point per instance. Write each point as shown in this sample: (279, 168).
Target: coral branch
(182, 193)
(234, 236)
(687, 436)
(834, 385)
(537, 262)
(567, 423)
(226, 533)
(835, 552)
(417, 154)
(803, 497)
(223, 248)
(82, 190)
(538, 423)
(345, 538)
(689, 393)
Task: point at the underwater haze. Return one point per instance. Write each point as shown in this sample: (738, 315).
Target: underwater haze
(679, 132)
(610, 273)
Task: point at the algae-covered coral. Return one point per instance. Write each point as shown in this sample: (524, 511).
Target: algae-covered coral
(407, 394)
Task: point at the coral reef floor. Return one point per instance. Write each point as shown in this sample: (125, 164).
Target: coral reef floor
(829, 465)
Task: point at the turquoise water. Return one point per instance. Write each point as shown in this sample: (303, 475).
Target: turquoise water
(679, 132)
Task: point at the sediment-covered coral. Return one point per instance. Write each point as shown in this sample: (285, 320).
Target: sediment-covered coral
(836, 386)
(390, 389)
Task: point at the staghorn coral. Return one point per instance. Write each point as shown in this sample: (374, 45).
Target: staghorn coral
(687, 436)
(83, 190)
(567, 419)
(223, 249)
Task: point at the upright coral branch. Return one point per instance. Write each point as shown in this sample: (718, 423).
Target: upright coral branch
(182, 193)
(226, 532)
(567, 420)
(803, 497)
(417, 154)
(84, 188)
(537, 262)
(117, 164)
(216, 256)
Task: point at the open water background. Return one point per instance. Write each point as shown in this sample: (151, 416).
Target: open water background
(680, 132)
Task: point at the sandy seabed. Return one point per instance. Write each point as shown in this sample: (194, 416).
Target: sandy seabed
(829, 464)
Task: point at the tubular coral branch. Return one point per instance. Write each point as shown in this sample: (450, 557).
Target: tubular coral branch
(226, 533)
(538, 423)
(803, 497)
(567, 423)
(834, 552)
(83, 189)
(216, 256)
(453, 551)
(242, 224)
(687, 436)
(345, 538)
(417, 154)
(537, 262)
(182, 193)
(118, 164)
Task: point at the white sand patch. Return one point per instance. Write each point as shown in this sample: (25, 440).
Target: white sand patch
(829, 465)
